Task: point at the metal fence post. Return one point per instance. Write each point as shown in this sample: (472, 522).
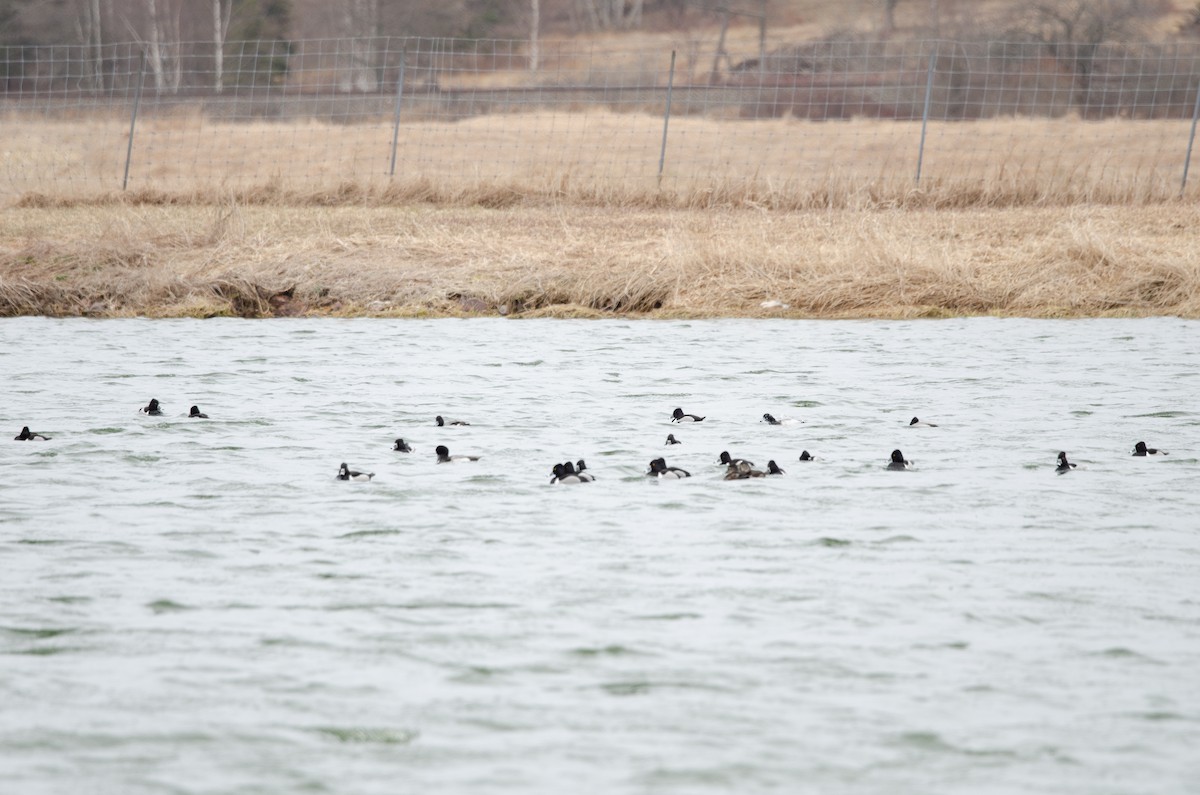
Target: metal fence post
(925, 113)
(1187, 161)
(662, 154)
(396, 118)
(137, 100)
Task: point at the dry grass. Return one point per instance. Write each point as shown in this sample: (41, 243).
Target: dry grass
(562, 213)
(569, 259)
(603, 158)
(1039, 229)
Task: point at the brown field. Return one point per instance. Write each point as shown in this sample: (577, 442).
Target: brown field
(588, 260)
(1032, 217)
(611, 158)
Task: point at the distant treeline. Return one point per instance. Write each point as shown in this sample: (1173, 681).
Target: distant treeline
(835, 79)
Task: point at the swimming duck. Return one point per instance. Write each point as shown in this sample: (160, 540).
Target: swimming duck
(28, 436)
(1064, 465)
(659, 469)
(444, 457)
(804, 456)
(195, 413)
(581, 470)
(672, 440)
(773, 469)
(562, 476)
(152, 410)
(769, 420)
(916, 421)
(1141, 449)
(402, 446)
(442, 422)
(678, 416)
(727, 461)
(898, 461)
(742, 470)
(346, 473)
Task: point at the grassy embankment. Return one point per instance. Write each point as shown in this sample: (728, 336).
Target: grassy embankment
(1091, 228)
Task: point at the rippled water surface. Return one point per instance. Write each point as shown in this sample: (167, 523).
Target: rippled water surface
(192, 606)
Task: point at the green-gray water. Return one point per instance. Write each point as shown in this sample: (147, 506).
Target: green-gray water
(198, 606)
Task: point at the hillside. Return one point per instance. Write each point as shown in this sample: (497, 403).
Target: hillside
(798, 20)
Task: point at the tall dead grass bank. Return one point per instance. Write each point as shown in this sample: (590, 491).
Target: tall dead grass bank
(119, 259)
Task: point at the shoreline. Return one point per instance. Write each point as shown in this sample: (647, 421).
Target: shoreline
(572, 260)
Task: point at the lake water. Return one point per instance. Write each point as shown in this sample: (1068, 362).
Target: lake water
(191, 606)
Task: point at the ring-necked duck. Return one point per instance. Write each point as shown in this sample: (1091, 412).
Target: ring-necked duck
(444, 457)
(562, 476)
(1141, 449)
(195, 413)
(441, 422)
(804, 456)
(28, 436)
(898, 461)
(678, 416)
(672, 440)
(916, 421)
(581, 471)
(773, 469)
(567, 473)
(741, 470)
(727, 461)
(1064, 465)
(346, 473)
(659, 469)
(402, 446)
(153, 409)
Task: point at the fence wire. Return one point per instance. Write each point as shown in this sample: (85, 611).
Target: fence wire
(1092, 119)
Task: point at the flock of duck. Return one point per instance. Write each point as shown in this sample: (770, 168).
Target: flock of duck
(577, 472)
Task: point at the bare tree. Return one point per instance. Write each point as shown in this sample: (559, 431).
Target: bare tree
(535, 21)
(611, 14)
(1072, 32)
(889, 15)
(222, 10)
(160, 36)
(361, 23)
(89, 31)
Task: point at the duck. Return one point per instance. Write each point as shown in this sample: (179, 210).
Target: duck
(444, 457)
(899, 462)
(562, 476)
(672, 440)
(442, 422)
(727, 461)
(806, 456)
(195, 413)
(917, 421)
(678, 416)
(152, 409)
(770, 419)
(1064, 465)
(401, 446)
(1140, 449)
(346, 473)
(773, 469)
(659, 469)
(581, 470)
(27, 435)
(742, 470)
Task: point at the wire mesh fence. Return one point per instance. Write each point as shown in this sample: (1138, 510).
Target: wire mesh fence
(1089, 121)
